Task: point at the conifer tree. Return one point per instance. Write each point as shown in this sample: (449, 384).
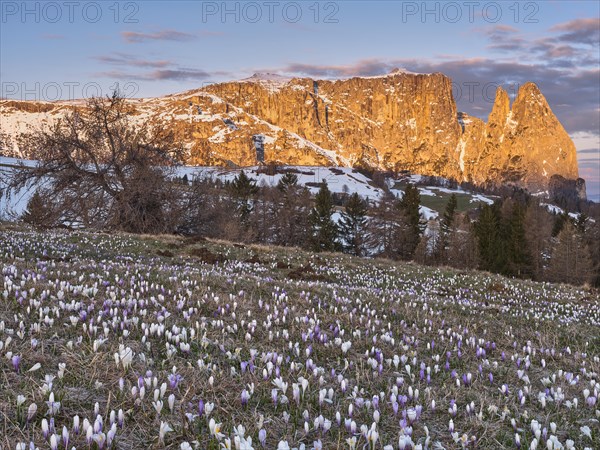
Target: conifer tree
(412, 229)
(287, 181)
(519, 258)
(38, 212)
(446, 226)
(243, 189)
(448, 219)
(486, 231)
(324, 230)
(353, 225)
(291, 217)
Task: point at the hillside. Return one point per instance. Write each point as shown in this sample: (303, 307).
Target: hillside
(188, 343)
(339, 179)
(401, 121)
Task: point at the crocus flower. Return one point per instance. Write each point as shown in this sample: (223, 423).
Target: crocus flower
(45, 428)
(16, 361)
(262, 436)
(215, 429)
(163, 430)
(31, 412)
(245, 397)
(53, 442)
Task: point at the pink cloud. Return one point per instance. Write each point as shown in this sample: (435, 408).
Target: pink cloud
(165, 35)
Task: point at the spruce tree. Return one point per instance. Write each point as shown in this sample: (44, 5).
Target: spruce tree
(519, 260)
(287, 181)
(503, 211)
(38, 212)
(324, 230)
(412, 229)
(448, 219)
(243, 189)
(446, 226)
(352, 226)
(486, 231)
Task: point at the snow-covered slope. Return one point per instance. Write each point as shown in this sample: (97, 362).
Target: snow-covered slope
(339, 180)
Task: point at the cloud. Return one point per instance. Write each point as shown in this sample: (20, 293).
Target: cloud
(591, 151)
(175, 74)
(124, 59)
(502, 37)
(590, 163)
(178, 74)
(569, 44)
(563, 61)
(579, 31)
(131, 67)
(501, 28)
(132, 37)
(366, 67)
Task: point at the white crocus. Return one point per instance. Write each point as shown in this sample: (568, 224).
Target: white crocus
(164, 429)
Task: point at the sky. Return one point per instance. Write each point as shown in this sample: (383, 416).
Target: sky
(69, 49)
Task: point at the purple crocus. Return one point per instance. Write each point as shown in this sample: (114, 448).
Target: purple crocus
(16, 362)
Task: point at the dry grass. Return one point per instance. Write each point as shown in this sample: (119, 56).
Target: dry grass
(381, 307)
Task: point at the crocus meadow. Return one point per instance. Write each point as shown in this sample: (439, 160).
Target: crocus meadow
(123, 342)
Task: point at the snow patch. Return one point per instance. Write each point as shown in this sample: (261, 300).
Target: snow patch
(428, 213)
(481, 198)
(461, 147)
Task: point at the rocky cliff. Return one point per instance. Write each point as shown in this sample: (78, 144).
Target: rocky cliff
(401, 121)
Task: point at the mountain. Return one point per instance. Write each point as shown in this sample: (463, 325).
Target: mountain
(399, 121)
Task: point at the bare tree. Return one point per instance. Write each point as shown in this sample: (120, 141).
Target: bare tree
(103, 171)
(538, 231)
(570, 261)
(592, 238)
(462, 245)
(385, 228)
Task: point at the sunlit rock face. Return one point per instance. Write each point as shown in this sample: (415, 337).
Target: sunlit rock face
(525, 143)
(400, 121)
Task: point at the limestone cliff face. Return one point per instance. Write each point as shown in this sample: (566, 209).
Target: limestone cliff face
(524, 144)
(401, 121)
